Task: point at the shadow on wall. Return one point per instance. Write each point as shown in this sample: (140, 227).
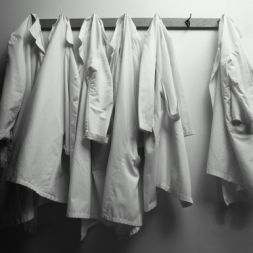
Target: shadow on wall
(167, 213)
(167, 226)
(238, 215)
(162, 223)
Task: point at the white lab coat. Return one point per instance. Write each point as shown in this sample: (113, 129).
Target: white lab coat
(37, 160)
(25, 54)
(164, 118)
(88, 160)
(231, 90)
(122, 199)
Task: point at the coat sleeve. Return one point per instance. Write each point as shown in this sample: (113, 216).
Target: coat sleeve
(72, 95)
(241, 85)
(167, 79)
(146, 96)
(13, 87)
(182, 104)
(169, 94)
(99, 103)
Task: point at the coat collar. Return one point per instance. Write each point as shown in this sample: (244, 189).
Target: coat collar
(36, 32)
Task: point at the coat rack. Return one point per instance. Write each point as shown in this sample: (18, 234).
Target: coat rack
(143, 23)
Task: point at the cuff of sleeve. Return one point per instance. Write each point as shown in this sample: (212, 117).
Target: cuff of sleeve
(145, 127)
(186, 203)
(175, 117)
(96, 137)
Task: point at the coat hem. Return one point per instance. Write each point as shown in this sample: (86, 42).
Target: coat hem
(121, 220)
(36, 189)
(81, 215)
(223, 176)
(150, 206)
(180, 196)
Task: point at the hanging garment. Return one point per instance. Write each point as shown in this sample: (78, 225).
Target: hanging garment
(164, 118)
(89, 159)
(99, 100)
(37, 161)
(122, 199)
(25, 52)
(25, 55)
(231, 90)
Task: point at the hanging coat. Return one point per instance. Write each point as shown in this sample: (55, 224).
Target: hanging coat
(231, 90)
(25, 55)
(122, 199)
(37, 160)
(164, 118)
(88, 160)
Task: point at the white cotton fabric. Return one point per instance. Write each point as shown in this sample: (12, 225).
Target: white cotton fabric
(25, 54)
(67, 146)
(164, 117)
(37, 160)
(231, 89)
(89, 159)
(122, 198)
(99, 101)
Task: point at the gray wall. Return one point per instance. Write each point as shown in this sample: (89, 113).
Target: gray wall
(207, 226)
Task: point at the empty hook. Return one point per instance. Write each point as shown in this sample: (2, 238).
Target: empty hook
(188, 22)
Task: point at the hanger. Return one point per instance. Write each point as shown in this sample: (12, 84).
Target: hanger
(188, 21)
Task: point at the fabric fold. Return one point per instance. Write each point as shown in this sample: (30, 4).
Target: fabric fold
(25, 55)
(36, 32)
(166, 163)
(40, 163)
(231, 90)
(122, 198)
(97, 74)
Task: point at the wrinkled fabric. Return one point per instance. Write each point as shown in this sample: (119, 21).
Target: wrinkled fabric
(25, 54)
(38, 161)
(161, 106)
(89, 158)
(122, 198)
(99, 102)
(231, 90)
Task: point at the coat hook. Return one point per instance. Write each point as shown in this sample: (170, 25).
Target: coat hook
(188, 22)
